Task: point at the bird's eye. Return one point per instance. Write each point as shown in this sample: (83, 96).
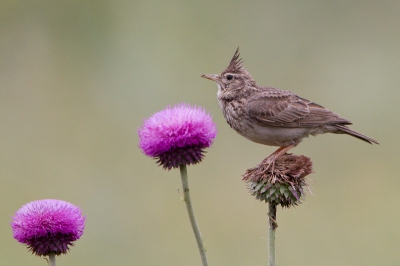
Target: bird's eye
(229, 77)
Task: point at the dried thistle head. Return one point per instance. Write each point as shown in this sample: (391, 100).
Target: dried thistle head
(284, 183)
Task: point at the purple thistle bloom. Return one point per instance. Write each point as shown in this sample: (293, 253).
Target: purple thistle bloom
(177, 135)
(48, 226)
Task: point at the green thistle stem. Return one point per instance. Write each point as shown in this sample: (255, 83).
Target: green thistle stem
(192, 218)
(52, 259)
(271, 233)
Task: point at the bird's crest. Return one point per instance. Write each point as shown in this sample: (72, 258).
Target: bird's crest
(236, 64)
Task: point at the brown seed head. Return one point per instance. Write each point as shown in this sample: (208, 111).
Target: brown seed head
(284, 183)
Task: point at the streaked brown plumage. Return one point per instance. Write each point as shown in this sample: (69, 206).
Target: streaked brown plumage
(271, 116)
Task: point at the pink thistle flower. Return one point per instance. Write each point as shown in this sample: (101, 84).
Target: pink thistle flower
(48, 226)
(177, 135)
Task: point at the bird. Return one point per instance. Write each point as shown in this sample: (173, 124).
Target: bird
(271, 116)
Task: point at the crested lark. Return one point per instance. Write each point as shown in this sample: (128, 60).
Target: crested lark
(271, 116)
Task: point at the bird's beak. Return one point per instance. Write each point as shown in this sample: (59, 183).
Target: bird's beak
(211, 77)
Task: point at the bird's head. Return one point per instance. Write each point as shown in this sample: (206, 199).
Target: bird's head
(234, 78)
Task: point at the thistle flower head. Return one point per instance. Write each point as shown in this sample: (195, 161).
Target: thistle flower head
(284, 183)
(48, 226)
(177, 135)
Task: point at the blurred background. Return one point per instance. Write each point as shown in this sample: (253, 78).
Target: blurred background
(77, 78)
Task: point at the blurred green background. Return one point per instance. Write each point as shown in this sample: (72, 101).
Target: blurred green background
(77, 78)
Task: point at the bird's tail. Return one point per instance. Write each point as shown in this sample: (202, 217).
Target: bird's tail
(347, 130)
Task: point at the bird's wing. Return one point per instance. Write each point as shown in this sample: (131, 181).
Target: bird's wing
(285, 109)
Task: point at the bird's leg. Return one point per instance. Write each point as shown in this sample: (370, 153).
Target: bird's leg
(276, 154)
(282, 150)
